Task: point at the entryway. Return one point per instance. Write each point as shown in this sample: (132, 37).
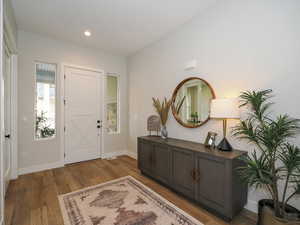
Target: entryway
(83, 111)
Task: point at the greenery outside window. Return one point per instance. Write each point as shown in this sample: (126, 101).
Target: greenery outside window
(112, 104)
(45, 100)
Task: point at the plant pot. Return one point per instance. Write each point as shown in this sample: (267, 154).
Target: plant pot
(266, 215)
(164, 132)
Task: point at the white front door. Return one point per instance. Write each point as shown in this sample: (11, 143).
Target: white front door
(7, 120)
(83, 114)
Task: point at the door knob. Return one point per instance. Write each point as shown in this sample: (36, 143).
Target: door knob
(7, 136)
(98, 126)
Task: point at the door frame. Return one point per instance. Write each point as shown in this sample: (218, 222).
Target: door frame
(11, 45)
(1, 120)
(9, 39)
(62, 106)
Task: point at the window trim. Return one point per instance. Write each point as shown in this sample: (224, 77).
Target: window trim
(35, 102)
(118, 103)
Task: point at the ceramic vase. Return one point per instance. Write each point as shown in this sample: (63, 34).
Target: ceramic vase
(164, 132)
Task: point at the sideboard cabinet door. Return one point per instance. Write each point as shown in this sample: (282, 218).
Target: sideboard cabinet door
(162, 163)
(183, 168)
(212, 183)
(145, 156)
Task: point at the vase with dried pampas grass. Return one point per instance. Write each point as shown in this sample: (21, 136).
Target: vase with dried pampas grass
(163, 108)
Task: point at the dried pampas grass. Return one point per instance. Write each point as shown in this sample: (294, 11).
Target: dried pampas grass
(162, 108)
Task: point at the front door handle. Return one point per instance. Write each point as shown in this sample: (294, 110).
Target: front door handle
(7, 136)
(99, 124)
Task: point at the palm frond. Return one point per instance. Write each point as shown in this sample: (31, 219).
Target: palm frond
(257, 100)
(290, 157)
(298, 189)
(256, 170)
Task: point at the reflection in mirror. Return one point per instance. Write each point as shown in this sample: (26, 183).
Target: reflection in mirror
(191, 102)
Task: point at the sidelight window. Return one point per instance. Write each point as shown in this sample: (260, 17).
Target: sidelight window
(45, 99)
(112, 104)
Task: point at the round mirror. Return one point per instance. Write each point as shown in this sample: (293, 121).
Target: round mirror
(191, 102)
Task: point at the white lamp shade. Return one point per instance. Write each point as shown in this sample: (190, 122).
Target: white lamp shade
(226, 108)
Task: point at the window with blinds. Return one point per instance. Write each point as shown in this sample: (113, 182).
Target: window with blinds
(45, 100)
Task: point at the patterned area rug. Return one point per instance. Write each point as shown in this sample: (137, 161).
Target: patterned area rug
(124, 201)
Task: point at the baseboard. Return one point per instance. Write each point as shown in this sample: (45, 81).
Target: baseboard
(38, 168)
(14, 175)
(108, 155)
(119, 153)
(132, 154)
(251, 206)
(7, 175)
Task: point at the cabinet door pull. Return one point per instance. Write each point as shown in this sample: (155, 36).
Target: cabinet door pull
(197, 175)
(193, 174)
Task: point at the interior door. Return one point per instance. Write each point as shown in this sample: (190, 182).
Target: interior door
(1, 125)
(7, 119)
(83, 115)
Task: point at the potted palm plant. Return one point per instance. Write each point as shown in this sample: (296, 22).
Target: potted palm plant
(275, 164)
(163, 108)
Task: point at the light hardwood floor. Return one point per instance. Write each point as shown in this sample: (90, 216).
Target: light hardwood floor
(32, 199)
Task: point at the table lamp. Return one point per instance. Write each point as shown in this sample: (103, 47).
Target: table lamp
(224, 109)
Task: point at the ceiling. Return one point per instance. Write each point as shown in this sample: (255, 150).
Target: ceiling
(118, 26)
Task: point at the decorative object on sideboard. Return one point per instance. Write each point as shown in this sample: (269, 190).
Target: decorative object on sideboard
(164, 132)
(274, 161)
(210, 141)
(224, 109)
(162, 108)
(153, 124)
(191, 102)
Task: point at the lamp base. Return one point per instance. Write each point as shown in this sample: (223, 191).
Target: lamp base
(224, 145)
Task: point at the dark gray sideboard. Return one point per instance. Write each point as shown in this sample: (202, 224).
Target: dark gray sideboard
(206, 176)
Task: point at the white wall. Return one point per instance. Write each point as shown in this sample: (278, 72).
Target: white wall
(31, 47)
(239, 45)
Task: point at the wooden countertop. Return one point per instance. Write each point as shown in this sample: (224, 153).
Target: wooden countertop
(194, 146)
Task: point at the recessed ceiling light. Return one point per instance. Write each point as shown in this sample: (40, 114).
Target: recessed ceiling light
(87, 33)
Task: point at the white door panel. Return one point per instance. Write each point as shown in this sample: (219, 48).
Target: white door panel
(7, 119)
(82, 111)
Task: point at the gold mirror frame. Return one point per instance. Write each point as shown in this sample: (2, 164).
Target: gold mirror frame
(178, 119)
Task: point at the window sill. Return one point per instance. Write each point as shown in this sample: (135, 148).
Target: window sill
(45, 139)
